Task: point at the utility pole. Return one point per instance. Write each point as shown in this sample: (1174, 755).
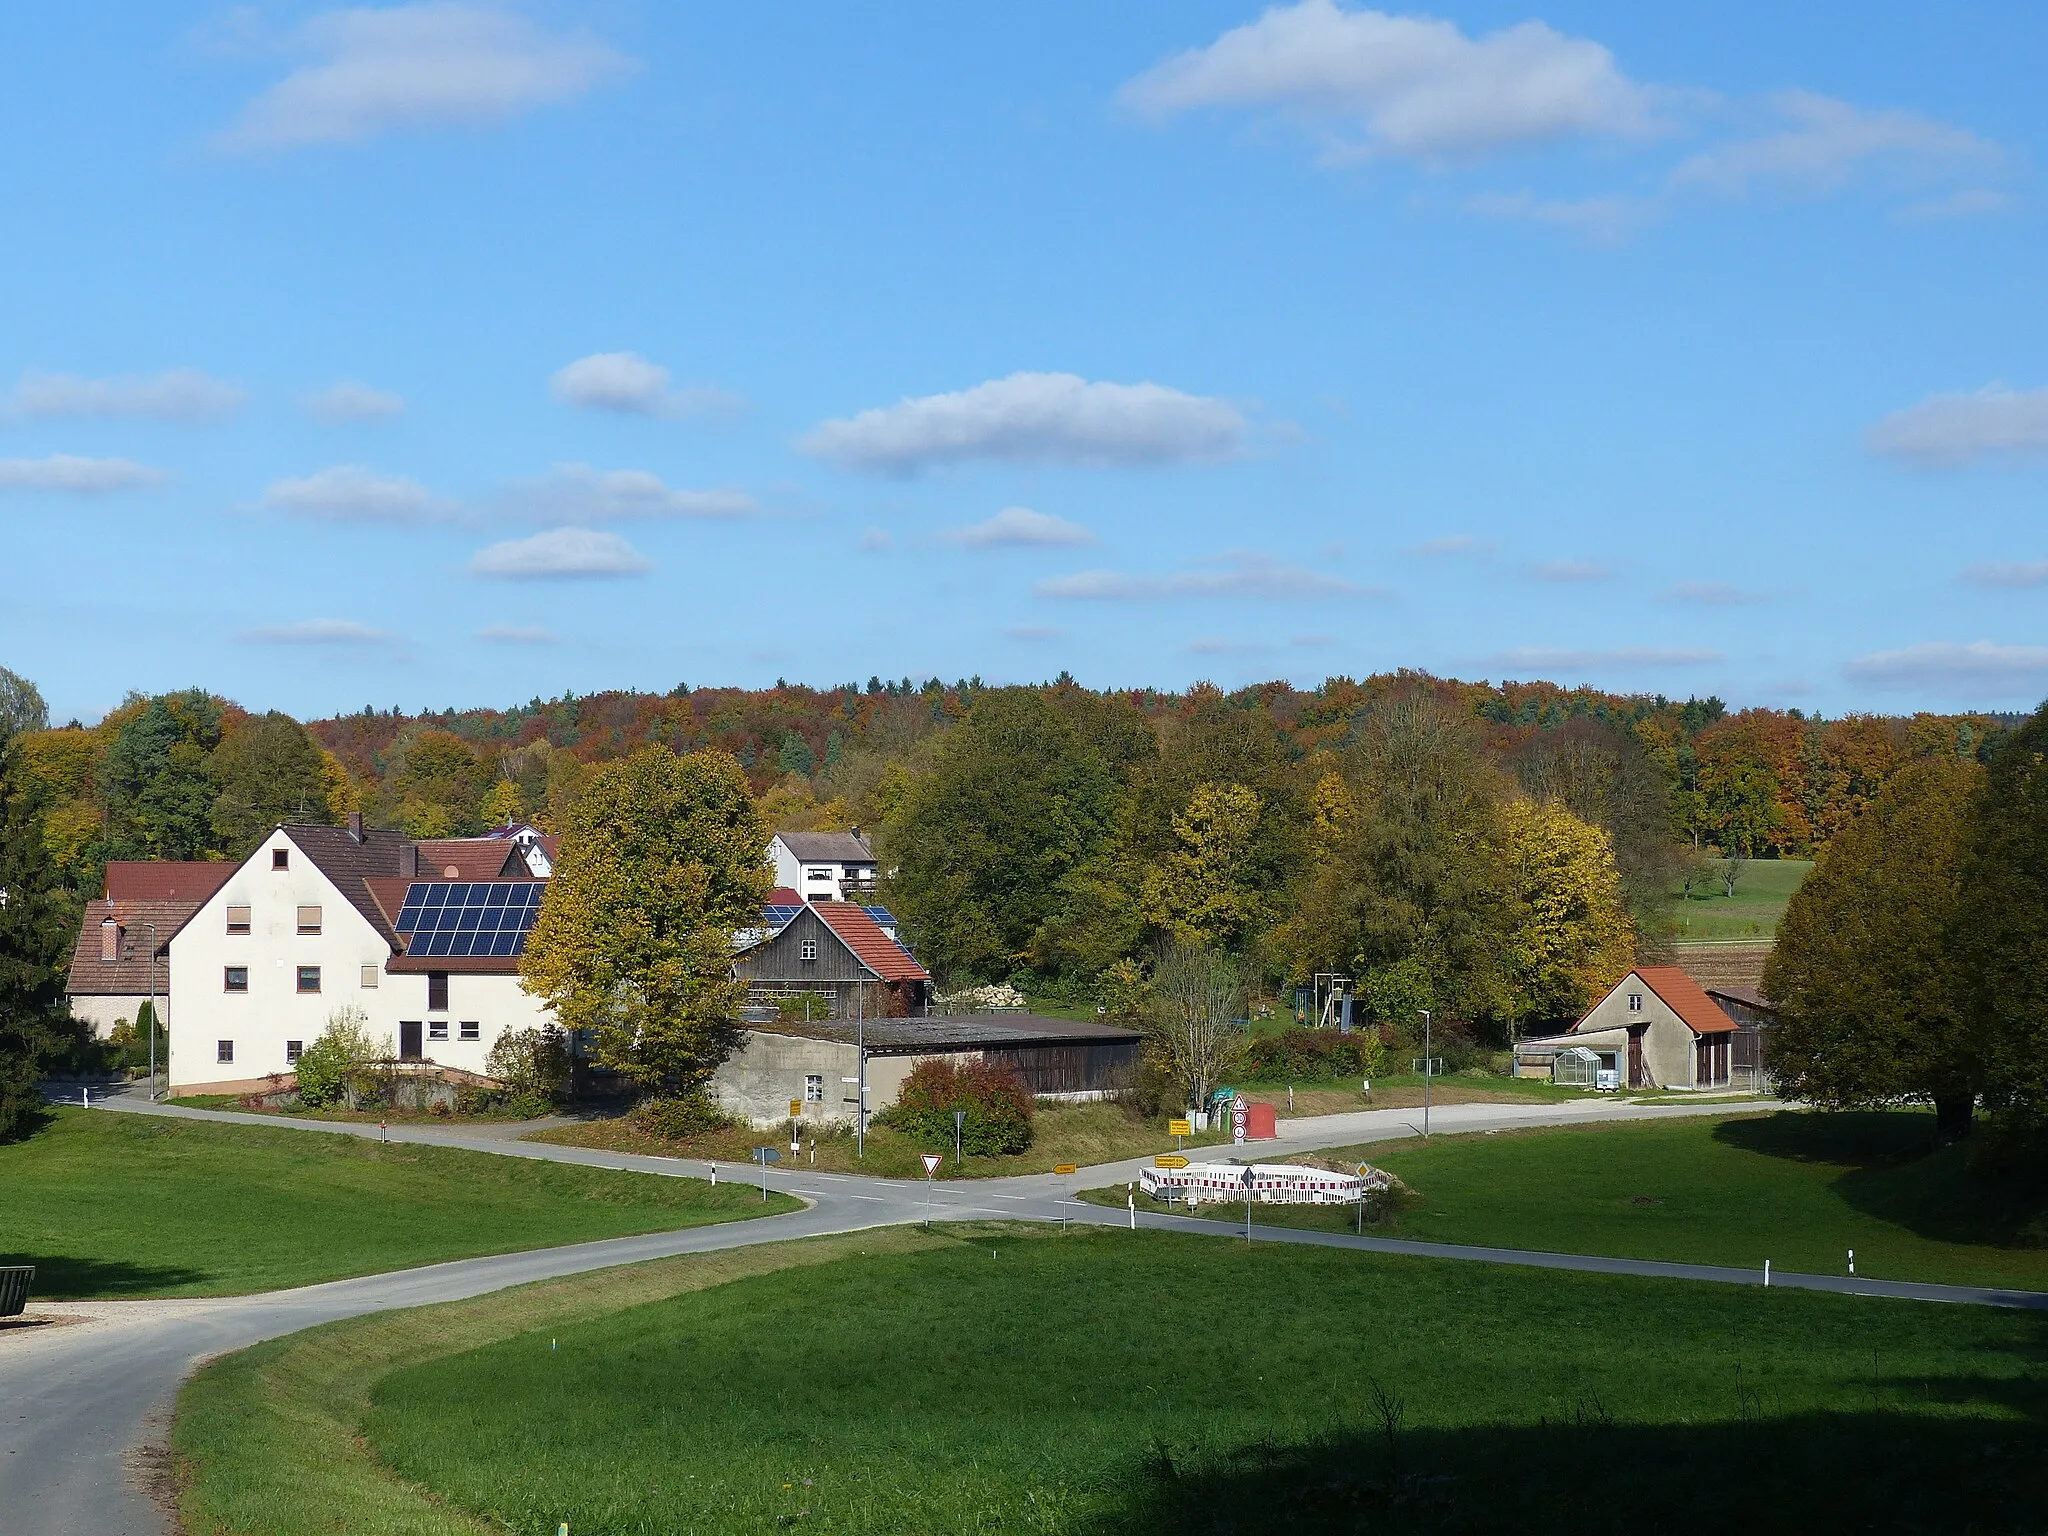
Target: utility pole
(151, 927)
(1427, 1073)
(860, 1044)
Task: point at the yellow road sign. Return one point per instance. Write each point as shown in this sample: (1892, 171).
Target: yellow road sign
(1179, 1128)
(1062, 1167)
(1170, 1160)
(796, 1108)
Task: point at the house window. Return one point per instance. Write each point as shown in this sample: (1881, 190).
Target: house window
(437, 991)
(309, 919)
(808, 950)
(472, 1030)
(293, 1050)
(817, 874)
(309, 978)
(437, 1029)
(235, 978)
(224, 1052)
(280, 858)
(370, 975)
(238, 919)
(814, 1089)
(1635, 1002)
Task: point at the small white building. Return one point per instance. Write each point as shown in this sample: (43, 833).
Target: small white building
(319, 919)
(823, 866)
(1655, 1028)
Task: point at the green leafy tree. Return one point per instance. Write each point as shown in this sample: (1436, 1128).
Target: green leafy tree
(269, 771)
(2002, 928)
(1015, 800)
(1739, 801)
(1865, 969)
(501, 805)
(533, 1064)
(339, 1066)
(663, 859)
(441, 786)
(36, 929)
(21, 707)
(156, 781)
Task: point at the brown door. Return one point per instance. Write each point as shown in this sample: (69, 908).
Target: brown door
(1635, 1058)
(409, 1040)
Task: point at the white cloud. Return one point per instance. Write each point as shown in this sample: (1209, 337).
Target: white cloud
(561, 552)
(1019, 526)
(350, 401)
(433, 65)
(69, 472)
(1241, 573)
(628, 382)
(1415, 85)
(1035, 418)
(1981, 668)
(874, 541)
(348, 493)
(517, 634)
(1570, 570)
(179, 394)
(1710, 594)
(577, 493)
(2008, 573)
(1548, 658)
(1963, 203)
(1603, 220)
(330, 632)
(1951, 429)
(1828, 141)
(1219, 645)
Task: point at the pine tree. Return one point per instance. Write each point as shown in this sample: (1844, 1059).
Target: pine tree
(35, 942)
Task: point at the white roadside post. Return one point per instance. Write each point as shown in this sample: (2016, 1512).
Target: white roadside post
(1247, 1207)
(1426, 1074)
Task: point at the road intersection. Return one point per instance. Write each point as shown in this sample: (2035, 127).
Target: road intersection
(82, 1406)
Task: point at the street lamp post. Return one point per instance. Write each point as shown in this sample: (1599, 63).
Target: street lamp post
(151, 927)
(1427, 1072)
(860, 1044)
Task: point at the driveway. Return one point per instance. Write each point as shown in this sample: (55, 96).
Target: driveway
(84, 1405)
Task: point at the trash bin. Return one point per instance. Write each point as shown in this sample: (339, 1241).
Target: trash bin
(14, 1284)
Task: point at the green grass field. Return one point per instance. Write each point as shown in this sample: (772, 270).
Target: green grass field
(1798, 1189)
(110, 1204)
(998, 1379)
(1752, 913)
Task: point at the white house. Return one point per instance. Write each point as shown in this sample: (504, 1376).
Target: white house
(823, 866)
(319, 919)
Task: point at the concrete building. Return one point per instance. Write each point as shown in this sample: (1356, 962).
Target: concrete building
(819, 1064)
(1655, 1029)
(823, 866)
(318, 919)
(122, 956)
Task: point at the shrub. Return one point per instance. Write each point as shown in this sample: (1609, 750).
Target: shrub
(678, 1117)
(803, 1007)
(1317, 1053)
(533, 1064)
(998, 1107)
(337, 1067)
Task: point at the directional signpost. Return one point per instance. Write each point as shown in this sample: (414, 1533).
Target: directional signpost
(764, 1156)
(931, 1166)
(1063, 1169)
(1169, 1160)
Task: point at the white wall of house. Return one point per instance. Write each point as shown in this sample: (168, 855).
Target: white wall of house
(104, 1010)
(816, 879)
(1667, 1039)
(259, 1023)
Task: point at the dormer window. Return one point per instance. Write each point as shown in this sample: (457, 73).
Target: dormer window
(280, 858)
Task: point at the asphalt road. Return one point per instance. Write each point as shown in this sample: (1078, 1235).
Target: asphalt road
(83, 1407)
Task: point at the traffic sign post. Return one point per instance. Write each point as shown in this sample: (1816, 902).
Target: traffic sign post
(1247, 1206)
(1177, 1129)
(1240, 1117)
(764, 1156)
(796, 1112)
(1169, 1160)
(931, 1166)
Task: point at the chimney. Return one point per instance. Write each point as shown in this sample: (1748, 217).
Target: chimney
(355, 825)
(110, 940)
(409, 861)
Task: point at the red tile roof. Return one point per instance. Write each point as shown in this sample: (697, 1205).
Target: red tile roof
(1685, 998)
(130, 974)
(783, 896)
(471, 858)
(874, 948)
(193, 880)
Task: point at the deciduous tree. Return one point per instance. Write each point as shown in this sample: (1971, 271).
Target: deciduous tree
(1569, 936)
(662, 860)
(1191, 1027)
(269, 771)
(1865, 972)
(1207, 889)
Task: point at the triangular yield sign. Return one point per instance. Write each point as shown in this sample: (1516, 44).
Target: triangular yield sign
(931, 1164)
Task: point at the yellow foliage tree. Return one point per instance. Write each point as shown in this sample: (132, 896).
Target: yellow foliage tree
(501, 805)
(1332, 810)
(662, 859)
(1200, 893)
(338, 790)
(1570, 935)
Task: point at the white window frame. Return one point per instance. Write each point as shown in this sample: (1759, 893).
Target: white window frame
(807, 950)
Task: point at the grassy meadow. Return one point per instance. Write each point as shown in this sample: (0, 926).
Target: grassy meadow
(1798, 1189)
(1002, 1378)
(111, 1204)
(1752, 913)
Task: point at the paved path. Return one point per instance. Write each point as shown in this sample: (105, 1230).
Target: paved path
(77, 1403)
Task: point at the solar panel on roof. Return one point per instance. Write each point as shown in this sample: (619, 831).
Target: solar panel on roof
(457, 918)
(779, 915)
(881, 915)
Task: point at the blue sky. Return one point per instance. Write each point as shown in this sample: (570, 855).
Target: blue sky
(449, 354)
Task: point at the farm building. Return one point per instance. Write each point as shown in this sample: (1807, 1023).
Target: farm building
(1655, 1029)
(837, 953)
(811, 1063)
